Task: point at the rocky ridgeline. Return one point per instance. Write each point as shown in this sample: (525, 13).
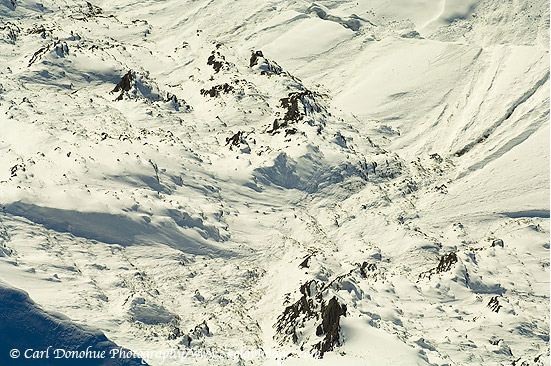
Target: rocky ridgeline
(312, 307)
(135, 85)
(313, 322)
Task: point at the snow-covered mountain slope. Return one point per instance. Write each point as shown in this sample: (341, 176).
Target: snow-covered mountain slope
(359, 182)
(51, 339)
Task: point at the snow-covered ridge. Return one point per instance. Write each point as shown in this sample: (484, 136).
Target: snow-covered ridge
(51, 339)
(358, 181)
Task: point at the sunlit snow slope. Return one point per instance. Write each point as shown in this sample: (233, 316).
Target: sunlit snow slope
(255, 182)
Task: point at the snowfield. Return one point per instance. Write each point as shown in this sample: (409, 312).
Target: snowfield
(215, 182)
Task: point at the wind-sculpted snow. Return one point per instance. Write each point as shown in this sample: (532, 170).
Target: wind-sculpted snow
(24, 323)
(243, 183)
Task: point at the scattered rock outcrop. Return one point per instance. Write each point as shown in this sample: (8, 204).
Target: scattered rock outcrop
(216, 90)
(236, 139)
(256, 55)
(367, 269)
(297, 106)
(9, 32)
(295, 315)
(494, 305)
(15, 168)
(265, 66)
(311, 306)
(124, 85)
(217, 61)
(446, 262)
(330, 326)
(42, 51)
(93, 10)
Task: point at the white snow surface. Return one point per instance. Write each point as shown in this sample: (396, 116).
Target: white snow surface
(411, 186)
